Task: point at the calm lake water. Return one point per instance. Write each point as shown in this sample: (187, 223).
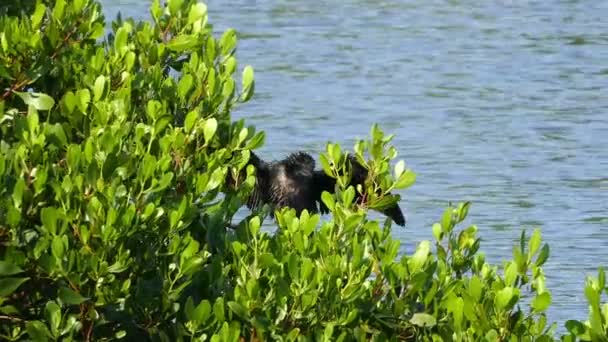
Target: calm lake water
(502, 103)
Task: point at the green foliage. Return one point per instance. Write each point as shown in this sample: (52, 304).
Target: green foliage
(111, 166)
(596, 327)
(114, 155)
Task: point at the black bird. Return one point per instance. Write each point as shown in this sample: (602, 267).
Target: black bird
(294, 183)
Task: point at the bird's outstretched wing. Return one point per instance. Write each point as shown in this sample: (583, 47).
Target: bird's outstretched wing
(291, 183)
(299, 164)
(294, 182)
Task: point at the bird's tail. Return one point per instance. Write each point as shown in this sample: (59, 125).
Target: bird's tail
(394, 212)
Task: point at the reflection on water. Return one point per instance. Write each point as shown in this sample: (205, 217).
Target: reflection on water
(496, 102)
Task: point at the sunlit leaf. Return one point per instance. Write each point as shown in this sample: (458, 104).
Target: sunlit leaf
(423, 320)
(39, 101)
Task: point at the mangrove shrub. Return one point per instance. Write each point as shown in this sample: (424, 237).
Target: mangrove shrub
(116, 216)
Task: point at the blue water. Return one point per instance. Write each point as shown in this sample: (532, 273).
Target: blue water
(502, 103)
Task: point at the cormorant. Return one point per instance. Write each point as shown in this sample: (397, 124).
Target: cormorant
(294, 183)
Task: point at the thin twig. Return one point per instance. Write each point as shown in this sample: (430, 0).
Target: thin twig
(22, 83)
(10, 318)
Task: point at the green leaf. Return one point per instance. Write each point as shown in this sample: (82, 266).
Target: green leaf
(328, 200)
(420, 256)
(190, 121)
(18, 192)
(543, 255)
(7, 268)
(506, 297)
(243, 134)
(475, 288)
(175, 6)
(218, 309)
(238, 309)
(306, 268)
(254, 225)
(37, 331)
(228, 41)
(58, 248)
(463, 211)
(376, 133)
(189, 309)
(399, 168)
(209, 129)
(328, 332)
(511, 273)
(423, 320)
(210, 50)
(37, 15)
(248, 83)
(309, 225)
(384, 202)
(230, 65)
(53, 316)
(293, 334)
(164, 182)
(59, 10)
(217, 177)
(541, 302)
(9, 285)
(335, 151)
(153, 108)
(293, 266)
(437, 232)
(98, 89)
(182, 43)
(575, 327)
(120, 41)
(58, 133)
(84, 97)
(266, 260)
(77, 5)
(256, 141)
(228, 89)
(446, 220)
(492, 336)
(534, 243)
(39, 101)
(184, 86)
(197, 11)
(161, 123)
(325, 164)
(348, 195)
(70, 100)
(33, 120)
(202, 311)
(49, 219)
(89, 149)
(456, 307)
(70, 296)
